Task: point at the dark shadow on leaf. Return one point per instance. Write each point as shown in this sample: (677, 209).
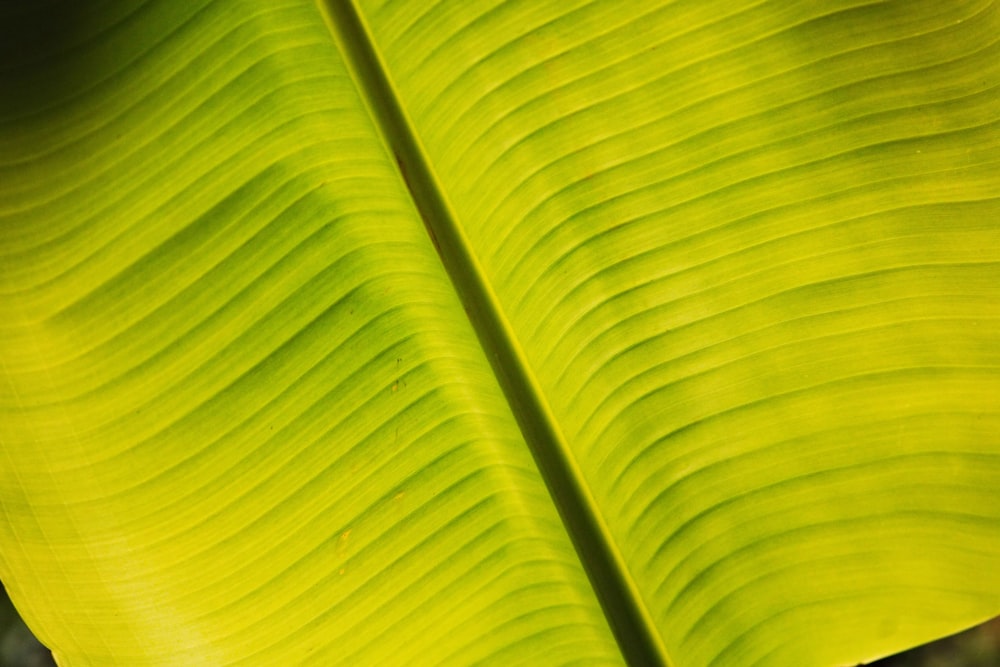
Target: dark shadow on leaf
(39, 45)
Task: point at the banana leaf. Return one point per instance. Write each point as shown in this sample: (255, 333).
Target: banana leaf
(499, 332)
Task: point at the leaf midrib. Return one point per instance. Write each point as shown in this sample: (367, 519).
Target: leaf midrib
(620, 599)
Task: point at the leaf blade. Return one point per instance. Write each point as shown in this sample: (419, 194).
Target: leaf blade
(245, 421)
(725, 236)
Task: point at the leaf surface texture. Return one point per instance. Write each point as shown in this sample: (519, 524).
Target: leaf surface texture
(743, 257)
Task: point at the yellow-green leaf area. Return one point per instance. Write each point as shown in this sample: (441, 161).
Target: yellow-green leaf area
(244, 420)
(750, 251)
(499, 332)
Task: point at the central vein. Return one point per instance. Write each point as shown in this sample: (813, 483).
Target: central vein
(629, 620)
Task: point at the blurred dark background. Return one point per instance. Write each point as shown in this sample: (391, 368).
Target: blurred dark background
(18, 647)
(978, 647)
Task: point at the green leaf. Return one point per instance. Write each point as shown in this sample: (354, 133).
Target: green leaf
(496, 332)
